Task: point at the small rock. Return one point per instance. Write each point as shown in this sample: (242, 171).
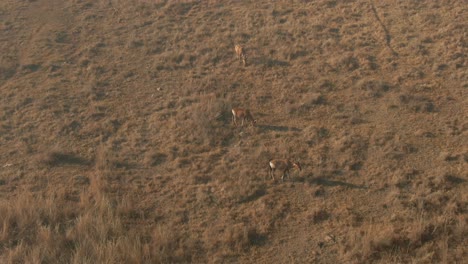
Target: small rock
(419, 133)
(330, 238)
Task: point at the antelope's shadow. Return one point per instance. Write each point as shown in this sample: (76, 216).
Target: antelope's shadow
(278, 128)
(268, 62)
(326, 182)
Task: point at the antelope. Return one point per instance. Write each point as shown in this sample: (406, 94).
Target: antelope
(240, 52)
(244, 114)
(284, 165)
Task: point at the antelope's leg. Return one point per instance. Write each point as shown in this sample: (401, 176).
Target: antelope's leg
(285, 174)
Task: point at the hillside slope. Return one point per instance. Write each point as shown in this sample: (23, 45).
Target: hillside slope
(117, 144)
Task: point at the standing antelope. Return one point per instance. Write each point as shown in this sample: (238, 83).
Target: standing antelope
(240, 52)
(284, 165)
(244, 114)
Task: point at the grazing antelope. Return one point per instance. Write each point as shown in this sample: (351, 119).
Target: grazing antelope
(240, 52)
(244, 114)
(284, 165)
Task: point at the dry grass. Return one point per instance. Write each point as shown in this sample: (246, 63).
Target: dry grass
(53, 230)
(117, 144)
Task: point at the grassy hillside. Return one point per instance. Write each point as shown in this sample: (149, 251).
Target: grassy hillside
(116, 142)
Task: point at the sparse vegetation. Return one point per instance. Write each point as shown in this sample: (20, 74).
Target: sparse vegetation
(117, 144)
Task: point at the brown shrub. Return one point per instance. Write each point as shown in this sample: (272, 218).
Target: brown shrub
(208, 120)
(168, 246)
(51, 230)
(373, 88)
(319, 216)
(154, 158)
(241, 237)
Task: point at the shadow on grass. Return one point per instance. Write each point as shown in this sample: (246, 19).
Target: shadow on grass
(254, 196)
(331, 183)
(454, 179)
(60, 158)
(278, 128)
(257, 239)
(269, 62)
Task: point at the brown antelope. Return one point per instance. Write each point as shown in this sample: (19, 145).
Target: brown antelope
(284, 165)
(240, 52)
(243, 114)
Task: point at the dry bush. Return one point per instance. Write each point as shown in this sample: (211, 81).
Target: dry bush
(98, 234)
(105, 159)
(373, 88)
(374, 243)
(448, 181)
(240, 237)
(165, 246)
(208, 121)
(104, 166)
(50, 230)
(343, 63)
(417, 104)
(367, 62)
(232, 239)
(408, 239)
(308, 102)
(319, 216)
(154, 158)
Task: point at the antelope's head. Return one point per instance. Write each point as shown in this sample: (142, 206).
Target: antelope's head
(297, 166)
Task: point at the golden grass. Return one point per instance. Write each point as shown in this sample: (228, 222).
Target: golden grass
(117, 144)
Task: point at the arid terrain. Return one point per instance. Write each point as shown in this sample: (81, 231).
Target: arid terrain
(117, 145)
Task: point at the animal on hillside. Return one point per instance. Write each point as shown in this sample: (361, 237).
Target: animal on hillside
(240, 53)
(244, 115)
(283, 165)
